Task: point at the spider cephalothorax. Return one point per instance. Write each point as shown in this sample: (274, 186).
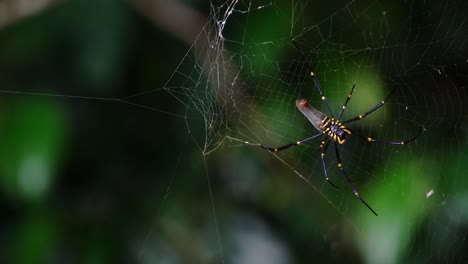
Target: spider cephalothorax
(335, 130)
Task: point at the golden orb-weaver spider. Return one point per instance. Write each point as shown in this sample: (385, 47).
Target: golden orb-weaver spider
(336, 131)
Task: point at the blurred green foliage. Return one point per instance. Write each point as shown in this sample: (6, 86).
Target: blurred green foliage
(88, 178)
(33, 148)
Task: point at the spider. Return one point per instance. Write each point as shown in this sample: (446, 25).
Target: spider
(335, 131)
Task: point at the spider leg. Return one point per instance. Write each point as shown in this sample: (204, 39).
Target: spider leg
(359, 117)
(324, 99)
(374, 140)
(277, 149)
(346, 102)
(340, 166)
(316, 82)
(325, 145)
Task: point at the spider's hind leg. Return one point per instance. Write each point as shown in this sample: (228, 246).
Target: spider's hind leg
(340, 166)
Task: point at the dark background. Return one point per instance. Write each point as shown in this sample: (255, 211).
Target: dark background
(122, 132)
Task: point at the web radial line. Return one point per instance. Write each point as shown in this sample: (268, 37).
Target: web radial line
(150, 108)
(61, 95)
(340, 166)
(359, 117)
(107, 99)
(163, 202)
(218, 236)
(346, 102)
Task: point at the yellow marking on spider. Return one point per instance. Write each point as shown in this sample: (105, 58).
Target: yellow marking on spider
(344, 106)
(323, 98)
(340, 165)
(360, 116)
(323, 154)
(312, 74)
(369, 139)
(298, 143)
(383, 102)
(276, 150)
(341, 141)
(402, 143)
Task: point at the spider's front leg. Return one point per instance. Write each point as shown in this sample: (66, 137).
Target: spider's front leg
(359, 117)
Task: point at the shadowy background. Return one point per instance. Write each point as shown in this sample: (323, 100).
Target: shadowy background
(121, 143)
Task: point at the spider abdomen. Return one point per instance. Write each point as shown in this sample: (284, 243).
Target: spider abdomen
(335, 130)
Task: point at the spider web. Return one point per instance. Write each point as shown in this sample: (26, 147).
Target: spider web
(235, 88)
(243, 84)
